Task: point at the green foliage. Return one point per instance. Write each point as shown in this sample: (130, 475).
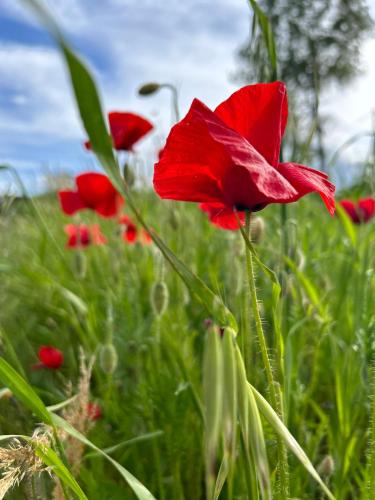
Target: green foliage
(178, 408)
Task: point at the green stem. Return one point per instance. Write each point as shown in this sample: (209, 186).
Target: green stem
(273, 387)
(257, 318)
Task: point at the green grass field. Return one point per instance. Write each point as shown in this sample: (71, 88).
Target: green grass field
(207, 364)
(150, 403)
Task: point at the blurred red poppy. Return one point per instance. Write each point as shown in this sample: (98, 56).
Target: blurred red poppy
(146, 237)
(231, 156)
(130, 232)
(95, 192)
(223, 216)
(50, 357)
(81, 236)
(126, 129)
(360, 212)
(94, 411)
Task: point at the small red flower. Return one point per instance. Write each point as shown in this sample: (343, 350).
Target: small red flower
(81, 236)
(223, 216)
(94, 411)
(130, 232)
(95, 192)
(50, 357)
(126, 129)
(360, 212)
(231, 156)
(146, 237)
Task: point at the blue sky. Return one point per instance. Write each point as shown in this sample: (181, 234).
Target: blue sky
(127, 42)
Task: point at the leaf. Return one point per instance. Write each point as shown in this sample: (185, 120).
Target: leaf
(273, 419)
(229, 391)
(347, 224)
(266, 270)
(11, 352)
(128, 442)
(267, 33)
(90, 109)
(252, 429)
(51, 459)
(213, 402)
(308, 286)
(138, 488)
(24, 392)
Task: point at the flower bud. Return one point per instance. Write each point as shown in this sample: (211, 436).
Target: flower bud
(128, 175)
(148, 88)
(159, 298)
(326, 466)
(6, 393)
(257, 228)
(108, 358)
(80, 265)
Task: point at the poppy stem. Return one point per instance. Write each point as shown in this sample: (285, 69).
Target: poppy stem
(273, 387)
(257, 318)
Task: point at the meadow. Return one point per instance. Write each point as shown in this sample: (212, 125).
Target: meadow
(165, 357)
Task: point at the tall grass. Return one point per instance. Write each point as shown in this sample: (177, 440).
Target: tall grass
(204, 393)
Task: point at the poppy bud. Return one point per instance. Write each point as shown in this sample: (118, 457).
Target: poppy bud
(80, 265)
(148, 88)
(108, 358)
(5, 393)
(159, 298)
(326, 466)
(128, 175)
(257, 227)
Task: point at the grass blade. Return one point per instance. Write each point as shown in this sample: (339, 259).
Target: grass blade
(24, 392)
(138, 488)
(271, 416)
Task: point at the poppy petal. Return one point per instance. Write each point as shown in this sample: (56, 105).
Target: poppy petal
(97, 236)
(250, 182)
(191, 163)
(127, 129)
(259, 113)
(70, 202)
(307, 180)
(78, 236)
(98, 193)
(366, 208)
(223, 216)
(351, 210)
(50, 357)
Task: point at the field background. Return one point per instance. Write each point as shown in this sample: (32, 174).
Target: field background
(171, 411)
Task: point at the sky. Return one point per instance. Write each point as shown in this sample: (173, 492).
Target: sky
(126, 43)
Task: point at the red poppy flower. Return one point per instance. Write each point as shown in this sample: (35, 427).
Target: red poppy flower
(130, 232)
(94, 412)
(231, 156)
(360, 212)
(223, 216)
(81, 236)
(50, 357)
(126, 129)
(146, 237)
(95, 192)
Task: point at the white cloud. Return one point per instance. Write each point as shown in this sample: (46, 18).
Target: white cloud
(352, 109)
(39, 97)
